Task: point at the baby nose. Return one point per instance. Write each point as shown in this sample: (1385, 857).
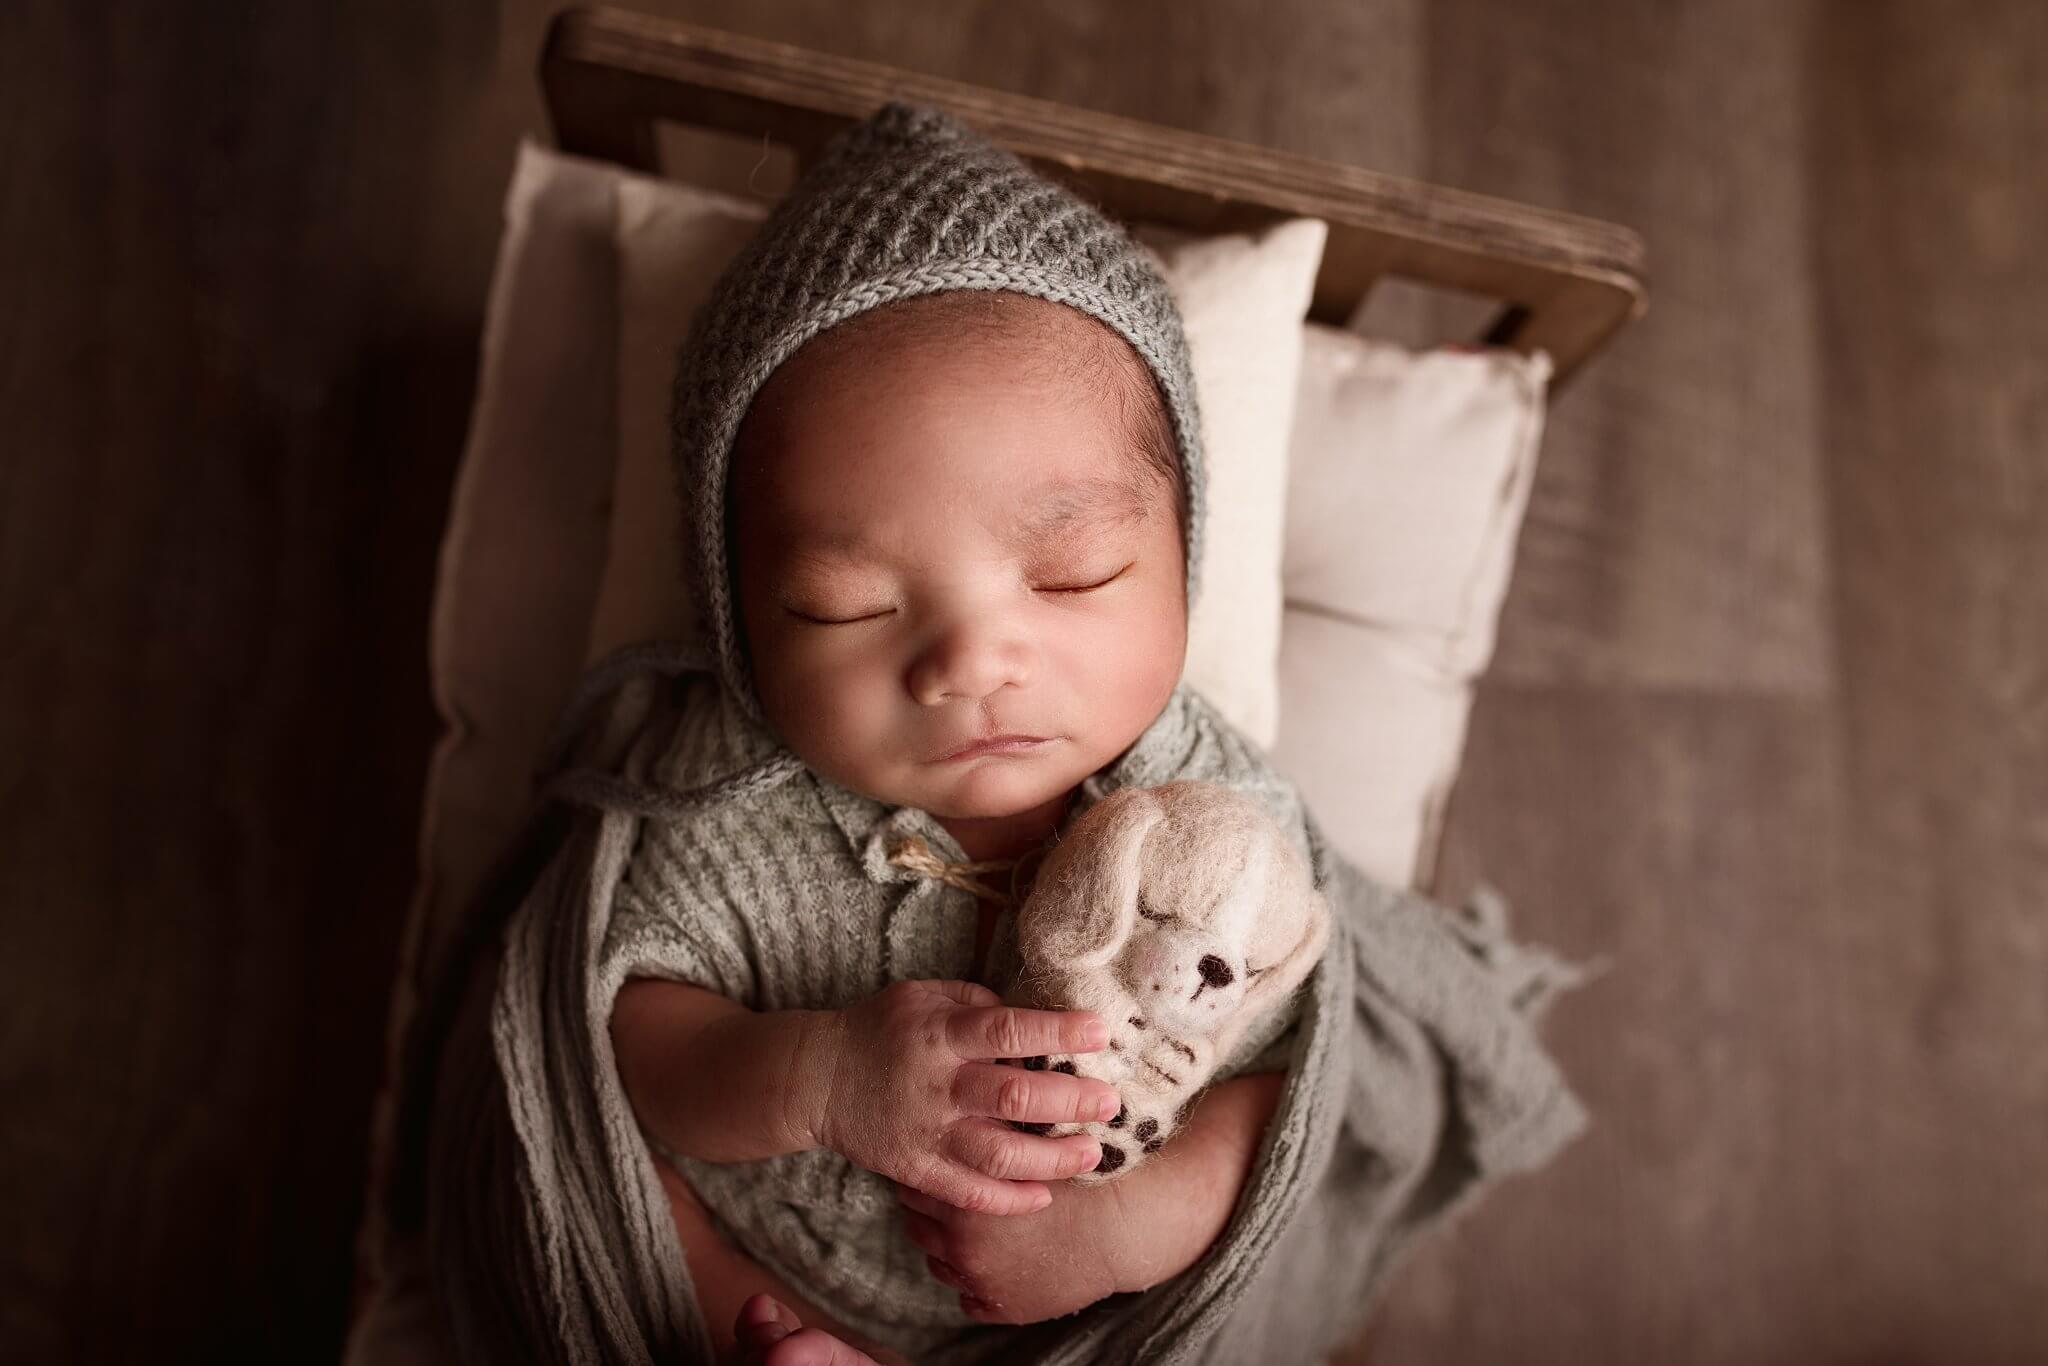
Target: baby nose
(1215, 971)
(971, 659)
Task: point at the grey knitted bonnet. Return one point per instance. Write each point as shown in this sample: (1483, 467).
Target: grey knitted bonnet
(911, 201)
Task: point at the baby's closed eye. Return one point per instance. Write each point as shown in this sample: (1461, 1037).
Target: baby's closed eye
(1085, 584)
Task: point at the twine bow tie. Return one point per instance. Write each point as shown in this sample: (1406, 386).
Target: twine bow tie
(912, 853)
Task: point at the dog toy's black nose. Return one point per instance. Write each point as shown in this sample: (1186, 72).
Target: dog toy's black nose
(1215, 971)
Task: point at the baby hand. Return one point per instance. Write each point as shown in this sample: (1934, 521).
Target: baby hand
(912, 1092)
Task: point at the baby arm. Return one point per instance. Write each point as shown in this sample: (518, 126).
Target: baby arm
(893, 1083)
(1187, 1193)
(715, 1081)
(677, 1046)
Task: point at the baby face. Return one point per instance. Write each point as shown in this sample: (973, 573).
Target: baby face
(943, 536)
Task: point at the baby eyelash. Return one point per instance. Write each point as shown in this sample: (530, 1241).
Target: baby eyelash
(1089, 587)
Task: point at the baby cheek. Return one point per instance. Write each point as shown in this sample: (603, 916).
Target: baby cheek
(831, 712)
(1127, 665)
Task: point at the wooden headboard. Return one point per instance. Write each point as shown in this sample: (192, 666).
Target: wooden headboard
(1555, 281)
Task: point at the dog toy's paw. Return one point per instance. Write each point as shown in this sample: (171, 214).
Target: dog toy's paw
(1129, 1140)
(1137, 1130)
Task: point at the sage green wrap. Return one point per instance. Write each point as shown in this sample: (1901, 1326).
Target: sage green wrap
(1414, 1076)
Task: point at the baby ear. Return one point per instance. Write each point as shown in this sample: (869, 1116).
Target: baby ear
(1294, 929)
(1084, 903)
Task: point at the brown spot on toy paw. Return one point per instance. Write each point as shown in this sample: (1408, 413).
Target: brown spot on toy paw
(1036, 1064)
(1155, 1145)
(1182, 1049)
(1031, 1126)
(1112, 1158)
(1146, 1128)
(1066, 1067)
(1118, 1122)
(1136, 1023)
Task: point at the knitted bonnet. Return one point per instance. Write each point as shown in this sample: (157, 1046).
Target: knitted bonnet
(910, 201)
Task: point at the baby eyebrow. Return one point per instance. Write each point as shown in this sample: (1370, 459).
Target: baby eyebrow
(1084, 502)
(1097, 503)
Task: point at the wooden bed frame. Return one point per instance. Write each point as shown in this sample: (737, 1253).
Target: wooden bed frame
(1554, 281)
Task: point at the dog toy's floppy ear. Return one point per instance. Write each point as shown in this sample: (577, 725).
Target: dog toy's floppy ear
(1292, 932)
(1085, 901)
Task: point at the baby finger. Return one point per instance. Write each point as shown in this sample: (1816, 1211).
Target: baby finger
(1002, 1152)
(1018, 1032)
(1040, 1097)
(964, 1188)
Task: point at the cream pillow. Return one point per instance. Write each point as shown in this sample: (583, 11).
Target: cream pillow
(670, 242)
(1411, 475)
(1243, 299)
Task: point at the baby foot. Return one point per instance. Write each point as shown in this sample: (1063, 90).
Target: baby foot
(770, 1335)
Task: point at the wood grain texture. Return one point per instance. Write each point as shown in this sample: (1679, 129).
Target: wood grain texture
(234, 372)
(1676, 535)
(1768, 725)
(1817, 1061)
(1691, 1223)
(1560, 283)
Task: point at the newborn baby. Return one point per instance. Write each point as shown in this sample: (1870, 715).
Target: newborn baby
(941, 468)
(960, 571)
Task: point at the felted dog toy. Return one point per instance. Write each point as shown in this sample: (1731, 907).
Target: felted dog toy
(1180, 914)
